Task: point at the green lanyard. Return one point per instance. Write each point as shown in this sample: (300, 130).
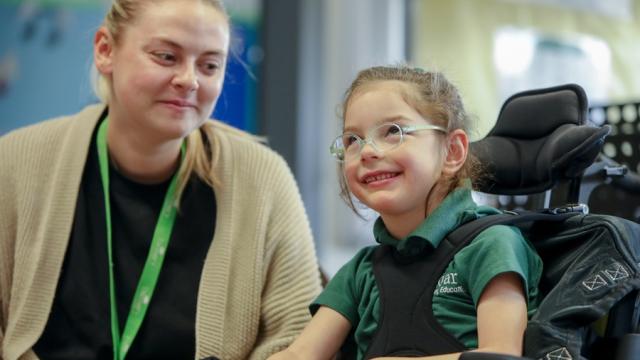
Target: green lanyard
(153, 264)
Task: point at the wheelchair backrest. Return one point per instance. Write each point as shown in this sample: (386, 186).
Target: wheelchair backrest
(539, 141)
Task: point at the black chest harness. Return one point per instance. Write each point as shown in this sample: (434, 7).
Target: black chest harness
(406, 284)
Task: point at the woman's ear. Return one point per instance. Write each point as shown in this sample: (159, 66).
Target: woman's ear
(457, 150)
(103, 47)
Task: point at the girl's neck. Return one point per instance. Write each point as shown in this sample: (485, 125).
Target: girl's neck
(140, 159)
(401, 225)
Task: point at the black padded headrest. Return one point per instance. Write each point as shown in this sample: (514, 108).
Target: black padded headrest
(539, 139)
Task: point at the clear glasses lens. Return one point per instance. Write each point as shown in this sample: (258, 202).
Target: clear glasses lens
(337, 149)
(386, 136)
(382, 138)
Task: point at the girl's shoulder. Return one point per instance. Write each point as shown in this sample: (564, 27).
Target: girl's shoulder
(496, 246)
(500, 238)
(360, 264)
(496, 250)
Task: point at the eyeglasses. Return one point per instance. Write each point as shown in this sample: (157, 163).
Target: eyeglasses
(382, 138)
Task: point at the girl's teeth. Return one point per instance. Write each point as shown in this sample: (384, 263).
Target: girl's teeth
(379, 177)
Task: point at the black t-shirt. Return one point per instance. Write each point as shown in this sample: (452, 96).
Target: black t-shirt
(79, 324)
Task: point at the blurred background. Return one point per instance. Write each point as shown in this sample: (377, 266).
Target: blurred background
(293, 59)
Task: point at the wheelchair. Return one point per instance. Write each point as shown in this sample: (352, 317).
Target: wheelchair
(542, 147)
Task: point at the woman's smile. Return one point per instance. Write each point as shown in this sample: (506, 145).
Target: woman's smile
(179, 105)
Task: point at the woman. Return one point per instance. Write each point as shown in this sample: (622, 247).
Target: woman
(138, 228)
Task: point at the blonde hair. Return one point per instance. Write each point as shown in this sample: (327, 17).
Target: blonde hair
(432, 95)
(201, 155)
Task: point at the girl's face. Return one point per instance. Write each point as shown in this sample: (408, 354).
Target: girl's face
(398, 181)
(167, 68)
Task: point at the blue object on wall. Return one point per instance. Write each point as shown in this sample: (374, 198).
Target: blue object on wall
(45, 62)
(237, 103)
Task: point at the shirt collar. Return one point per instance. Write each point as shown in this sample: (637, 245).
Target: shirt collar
(456, 209)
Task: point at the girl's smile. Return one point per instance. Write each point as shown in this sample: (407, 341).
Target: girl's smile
(379, 178)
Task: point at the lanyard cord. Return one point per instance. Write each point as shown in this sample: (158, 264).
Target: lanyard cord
(153, 264)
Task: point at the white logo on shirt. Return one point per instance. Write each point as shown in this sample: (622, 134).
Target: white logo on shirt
(448, 284)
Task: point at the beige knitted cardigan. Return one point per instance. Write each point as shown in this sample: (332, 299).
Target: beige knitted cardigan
(259, 275)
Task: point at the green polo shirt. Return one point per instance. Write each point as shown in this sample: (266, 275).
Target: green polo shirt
(498, 249)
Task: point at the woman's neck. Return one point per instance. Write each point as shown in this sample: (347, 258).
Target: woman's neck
(140, 159)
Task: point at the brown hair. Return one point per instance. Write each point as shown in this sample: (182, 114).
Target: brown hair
(201, 156)
(432, 95)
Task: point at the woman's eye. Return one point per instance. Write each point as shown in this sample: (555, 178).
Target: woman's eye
(210, 67)
(165, 56)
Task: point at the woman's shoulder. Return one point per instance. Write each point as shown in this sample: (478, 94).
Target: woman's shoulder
(50, 128)
(237, 136)
(245, 148)
(35, 150)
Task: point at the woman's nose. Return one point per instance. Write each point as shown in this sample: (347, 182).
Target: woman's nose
(186, 78)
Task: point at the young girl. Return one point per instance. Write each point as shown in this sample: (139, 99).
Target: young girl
(404, 154)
